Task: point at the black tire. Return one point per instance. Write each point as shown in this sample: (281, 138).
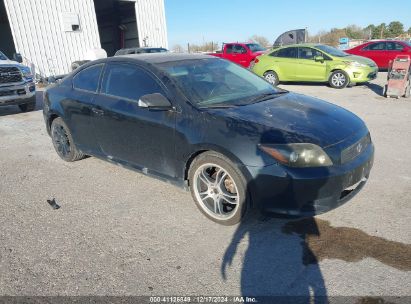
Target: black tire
(234, 178)
(272, 78)
(63, 141)
(28, 107)
(339, 79)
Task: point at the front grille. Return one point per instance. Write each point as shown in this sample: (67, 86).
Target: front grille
(10, 75)
(18, 92)
(356, 149)
(7, 93)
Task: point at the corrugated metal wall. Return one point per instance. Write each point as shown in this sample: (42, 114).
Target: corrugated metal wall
(38, 33)
(151, 23)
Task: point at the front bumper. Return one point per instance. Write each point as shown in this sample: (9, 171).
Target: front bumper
(309, 191)
(16, 94)
(362, 74)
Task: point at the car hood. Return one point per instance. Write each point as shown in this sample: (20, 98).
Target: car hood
(295, 118)
(359, 59)
(10, 62)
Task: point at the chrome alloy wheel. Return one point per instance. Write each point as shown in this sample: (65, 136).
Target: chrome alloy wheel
(270, 77)
(338, 79)
(216, 191)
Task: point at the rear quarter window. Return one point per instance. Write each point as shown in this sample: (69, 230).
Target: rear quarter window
(88, 79)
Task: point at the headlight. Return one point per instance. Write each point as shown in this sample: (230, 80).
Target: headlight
(298, 155)
(26, 72)
(356, 64)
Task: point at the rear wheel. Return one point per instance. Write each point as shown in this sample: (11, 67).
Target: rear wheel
(63, 141)
(218, 188)
(339, 79)
(272, 78)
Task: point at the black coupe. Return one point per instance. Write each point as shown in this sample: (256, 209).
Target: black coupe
(216, 128)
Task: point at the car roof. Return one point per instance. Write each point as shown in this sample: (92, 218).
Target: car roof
(142, 48)
(301, 45)
(155, 58)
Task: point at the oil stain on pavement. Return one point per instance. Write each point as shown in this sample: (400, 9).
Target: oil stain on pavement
(322, 241)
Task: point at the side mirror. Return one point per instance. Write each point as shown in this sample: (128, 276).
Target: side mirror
(319, 58)
(17, 57)
(154, 101)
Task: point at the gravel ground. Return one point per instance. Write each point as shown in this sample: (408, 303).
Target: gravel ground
(121, 233)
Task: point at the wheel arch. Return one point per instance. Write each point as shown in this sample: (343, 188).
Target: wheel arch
(338, 68)
(51, 117)
(272, 69)
(224, 152)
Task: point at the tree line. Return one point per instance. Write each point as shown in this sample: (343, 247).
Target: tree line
(394, 29)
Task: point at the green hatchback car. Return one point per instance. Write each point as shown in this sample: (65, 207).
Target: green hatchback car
(314, 63)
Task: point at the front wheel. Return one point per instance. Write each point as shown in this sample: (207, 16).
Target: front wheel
(339, 79)
(272, 78)
(218, 188)
(63, 141)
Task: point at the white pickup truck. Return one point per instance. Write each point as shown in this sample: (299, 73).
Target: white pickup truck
(16, 84)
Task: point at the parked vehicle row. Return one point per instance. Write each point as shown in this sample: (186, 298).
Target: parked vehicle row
(199, 121)
(316, 62)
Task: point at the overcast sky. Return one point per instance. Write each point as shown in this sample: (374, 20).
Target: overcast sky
(220, 21)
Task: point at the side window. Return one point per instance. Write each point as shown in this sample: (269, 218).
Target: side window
(394, 46)
(128, 81)
(274, 54)
(88, 78)
(239, 49)
(287, 53)
(308, 53)
(379, 46)
(229, 48)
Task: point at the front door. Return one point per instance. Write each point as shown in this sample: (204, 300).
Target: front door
(128, 133)
(77, 107)
(377, 52)
(309, 69)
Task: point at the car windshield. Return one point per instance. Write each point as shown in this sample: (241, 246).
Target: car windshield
(254, 47)
(2, 56)
(331, 50)
(218, 83)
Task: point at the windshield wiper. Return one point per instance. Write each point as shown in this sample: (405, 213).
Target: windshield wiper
(265, 96)
(218, 106)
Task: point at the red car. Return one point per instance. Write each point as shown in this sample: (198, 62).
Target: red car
(240, 53)
(382, 51)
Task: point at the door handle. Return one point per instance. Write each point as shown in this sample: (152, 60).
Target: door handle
(97, 111)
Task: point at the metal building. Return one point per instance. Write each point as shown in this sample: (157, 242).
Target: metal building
(51, 34)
